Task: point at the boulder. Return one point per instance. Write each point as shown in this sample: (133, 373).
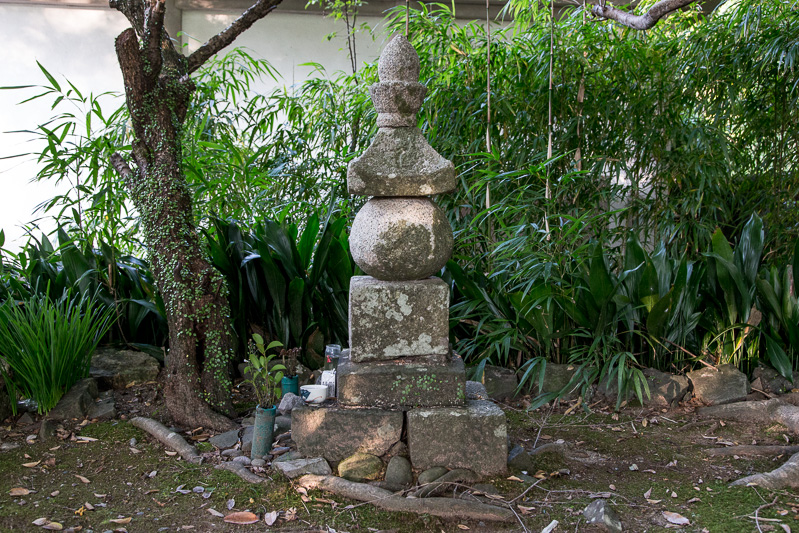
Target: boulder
(715, 387)
(119, 369)
(771, 381)
(665, 389)
(557, 377)
(76, 402)
(500, 383)
(361, 467)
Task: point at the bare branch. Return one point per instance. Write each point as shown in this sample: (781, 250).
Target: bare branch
(216, 43)
(122, 167)
(640, 22)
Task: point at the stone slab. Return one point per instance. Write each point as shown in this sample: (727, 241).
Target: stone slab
(119, 369)
(474, 437)
(714, 386)
(391, 319)
(400, 162)
(402, 384)
(300, 467)
(336, 433)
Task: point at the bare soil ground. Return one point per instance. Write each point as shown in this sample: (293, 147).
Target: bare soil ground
(647, 463)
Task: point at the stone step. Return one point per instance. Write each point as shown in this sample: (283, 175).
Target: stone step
(402, 384)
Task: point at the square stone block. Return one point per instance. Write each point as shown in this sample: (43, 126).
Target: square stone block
(402, 383)
(335, 433)
(392, 319)
(473, 437)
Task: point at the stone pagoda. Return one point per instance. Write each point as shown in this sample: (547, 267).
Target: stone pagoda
(400, 380)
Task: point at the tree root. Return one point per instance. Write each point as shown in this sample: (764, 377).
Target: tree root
(241, 471)
(443, 507)
(168, 438)
(776, 410)
(752, 450)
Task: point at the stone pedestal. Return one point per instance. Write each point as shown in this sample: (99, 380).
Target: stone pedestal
(473, 437)
(404, 384)
(396, 319)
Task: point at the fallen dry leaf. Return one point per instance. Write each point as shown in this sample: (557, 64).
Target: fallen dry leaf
(19, 491)
(290, 515)
(693, 500)
(99, 495)
(215, 513)
(82, 479)
(463, 526)
(514, 478)
(134, 450)
(53, 526)
(121, 520)
(88, 506)
(171, 454)
(653, 502)
(40, 521)
(55, 493)
(31, 465)
(80, 438)
(270, 518)
(525, 510)
(241, 517)
(647, 494)
(676, 518)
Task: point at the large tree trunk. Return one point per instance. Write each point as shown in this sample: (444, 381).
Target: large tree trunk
(157, 91)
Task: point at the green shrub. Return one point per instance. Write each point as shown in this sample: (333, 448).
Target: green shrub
(48, 344)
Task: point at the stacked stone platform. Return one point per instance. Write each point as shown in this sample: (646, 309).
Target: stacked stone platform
(400, 363)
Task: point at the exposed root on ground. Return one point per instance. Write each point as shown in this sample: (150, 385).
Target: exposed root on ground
(450, 508)
(774, 411)
(241, 471)
(168, 438)
(752, 450)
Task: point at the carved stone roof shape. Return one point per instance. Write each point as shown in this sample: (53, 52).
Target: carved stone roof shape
(399, 162)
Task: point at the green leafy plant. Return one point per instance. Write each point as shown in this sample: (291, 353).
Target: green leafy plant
(48, 344)
(264, 378)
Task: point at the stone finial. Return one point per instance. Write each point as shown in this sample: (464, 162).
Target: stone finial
(399, 61)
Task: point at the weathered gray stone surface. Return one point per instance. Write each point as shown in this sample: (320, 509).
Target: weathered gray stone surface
(119, 369)
(282, 424)
(76, 402)
(398, 473)
(398, 61)
(225, 440)
(600, 513)
(404, 383)
(500, 383)
(361, 467)
(771, 381)
(473, 437)
(390, 319)
(300, 467)
(397, 103)
(102, 409)
(519, 459)
(400, 162)
(47, 430)
(431, 474)
(288, 402)
(289, 456)
(715, 387)
(476, 391)
(335, 433)
(556, 377)
(398, 239)
(665, 389)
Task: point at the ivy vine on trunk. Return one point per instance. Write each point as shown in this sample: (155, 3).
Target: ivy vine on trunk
(158, 89)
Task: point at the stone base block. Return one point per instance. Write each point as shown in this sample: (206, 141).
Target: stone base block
(392, 319)
(473, 437)
(402, 383)
(335, 433)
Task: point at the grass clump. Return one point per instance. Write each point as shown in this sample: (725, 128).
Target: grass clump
(47, 345)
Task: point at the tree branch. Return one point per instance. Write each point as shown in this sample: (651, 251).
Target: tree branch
(640, 22)
(255, 13)
(153, 28)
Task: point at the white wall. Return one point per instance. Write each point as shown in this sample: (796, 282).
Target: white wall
(78, 44)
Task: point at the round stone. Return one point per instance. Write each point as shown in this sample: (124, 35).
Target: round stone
(400, 239)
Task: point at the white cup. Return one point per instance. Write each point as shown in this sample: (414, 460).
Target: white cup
(313, 393)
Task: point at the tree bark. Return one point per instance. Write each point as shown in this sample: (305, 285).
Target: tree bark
(158, 92)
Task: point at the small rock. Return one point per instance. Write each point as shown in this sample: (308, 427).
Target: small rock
(132, 442)
(459, 476)
(600, 513)
(47, 430)
(282, 424)
(242, 459)
(102, 410)
(288, 403)
(431, 474)
(519, 459)
(231, 452)
(25, 420)
(76, 402)
(258, 462)
(8, 446)
(288, 456)
(399, 473)
(198, 489)
(398, 448)
(299, 467)
(279, 450)
(476, 391)
(225, 440)
(360, 467)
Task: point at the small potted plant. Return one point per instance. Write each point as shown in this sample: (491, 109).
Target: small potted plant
(290, 381)
(266, 382)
